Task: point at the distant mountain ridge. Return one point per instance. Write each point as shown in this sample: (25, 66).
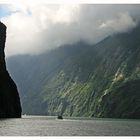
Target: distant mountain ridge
(101, 80)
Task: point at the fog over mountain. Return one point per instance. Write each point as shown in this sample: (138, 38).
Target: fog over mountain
(33, 29)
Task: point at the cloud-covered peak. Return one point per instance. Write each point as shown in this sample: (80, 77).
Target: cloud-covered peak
(33, 29)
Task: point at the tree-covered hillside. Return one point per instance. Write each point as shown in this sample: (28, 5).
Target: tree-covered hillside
(101, 80)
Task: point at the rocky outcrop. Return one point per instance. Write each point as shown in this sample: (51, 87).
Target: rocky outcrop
(9, 98)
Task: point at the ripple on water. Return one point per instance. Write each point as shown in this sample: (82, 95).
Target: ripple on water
(50, 126)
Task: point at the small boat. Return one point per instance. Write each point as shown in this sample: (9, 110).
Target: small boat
(59, 117)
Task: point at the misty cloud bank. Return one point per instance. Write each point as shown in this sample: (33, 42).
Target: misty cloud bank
(33, 29)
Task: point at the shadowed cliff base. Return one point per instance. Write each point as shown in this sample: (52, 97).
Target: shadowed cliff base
(9, 98)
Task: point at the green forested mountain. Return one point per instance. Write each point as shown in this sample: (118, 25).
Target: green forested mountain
(101, 80)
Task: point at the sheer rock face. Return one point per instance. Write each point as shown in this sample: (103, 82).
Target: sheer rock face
(9, 98)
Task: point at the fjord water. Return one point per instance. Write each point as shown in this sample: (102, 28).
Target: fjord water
(50, 126)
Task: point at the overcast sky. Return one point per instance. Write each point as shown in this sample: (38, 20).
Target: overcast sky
(35, 28)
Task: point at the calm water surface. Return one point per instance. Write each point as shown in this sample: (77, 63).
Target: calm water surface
(50, 126)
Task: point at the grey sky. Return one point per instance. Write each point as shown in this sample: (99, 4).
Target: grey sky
(33, 29)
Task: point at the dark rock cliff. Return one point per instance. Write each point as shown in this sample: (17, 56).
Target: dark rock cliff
(9, 98)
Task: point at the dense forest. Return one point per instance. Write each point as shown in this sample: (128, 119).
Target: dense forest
(99, 80)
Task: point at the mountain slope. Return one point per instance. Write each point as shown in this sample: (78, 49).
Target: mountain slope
(99, 80)
(9, 97)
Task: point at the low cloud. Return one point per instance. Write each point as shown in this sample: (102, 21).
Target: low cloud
(33, 29)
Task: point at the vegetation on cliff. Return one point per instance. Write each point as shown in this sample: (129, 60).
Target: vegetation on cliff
(101, 80)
